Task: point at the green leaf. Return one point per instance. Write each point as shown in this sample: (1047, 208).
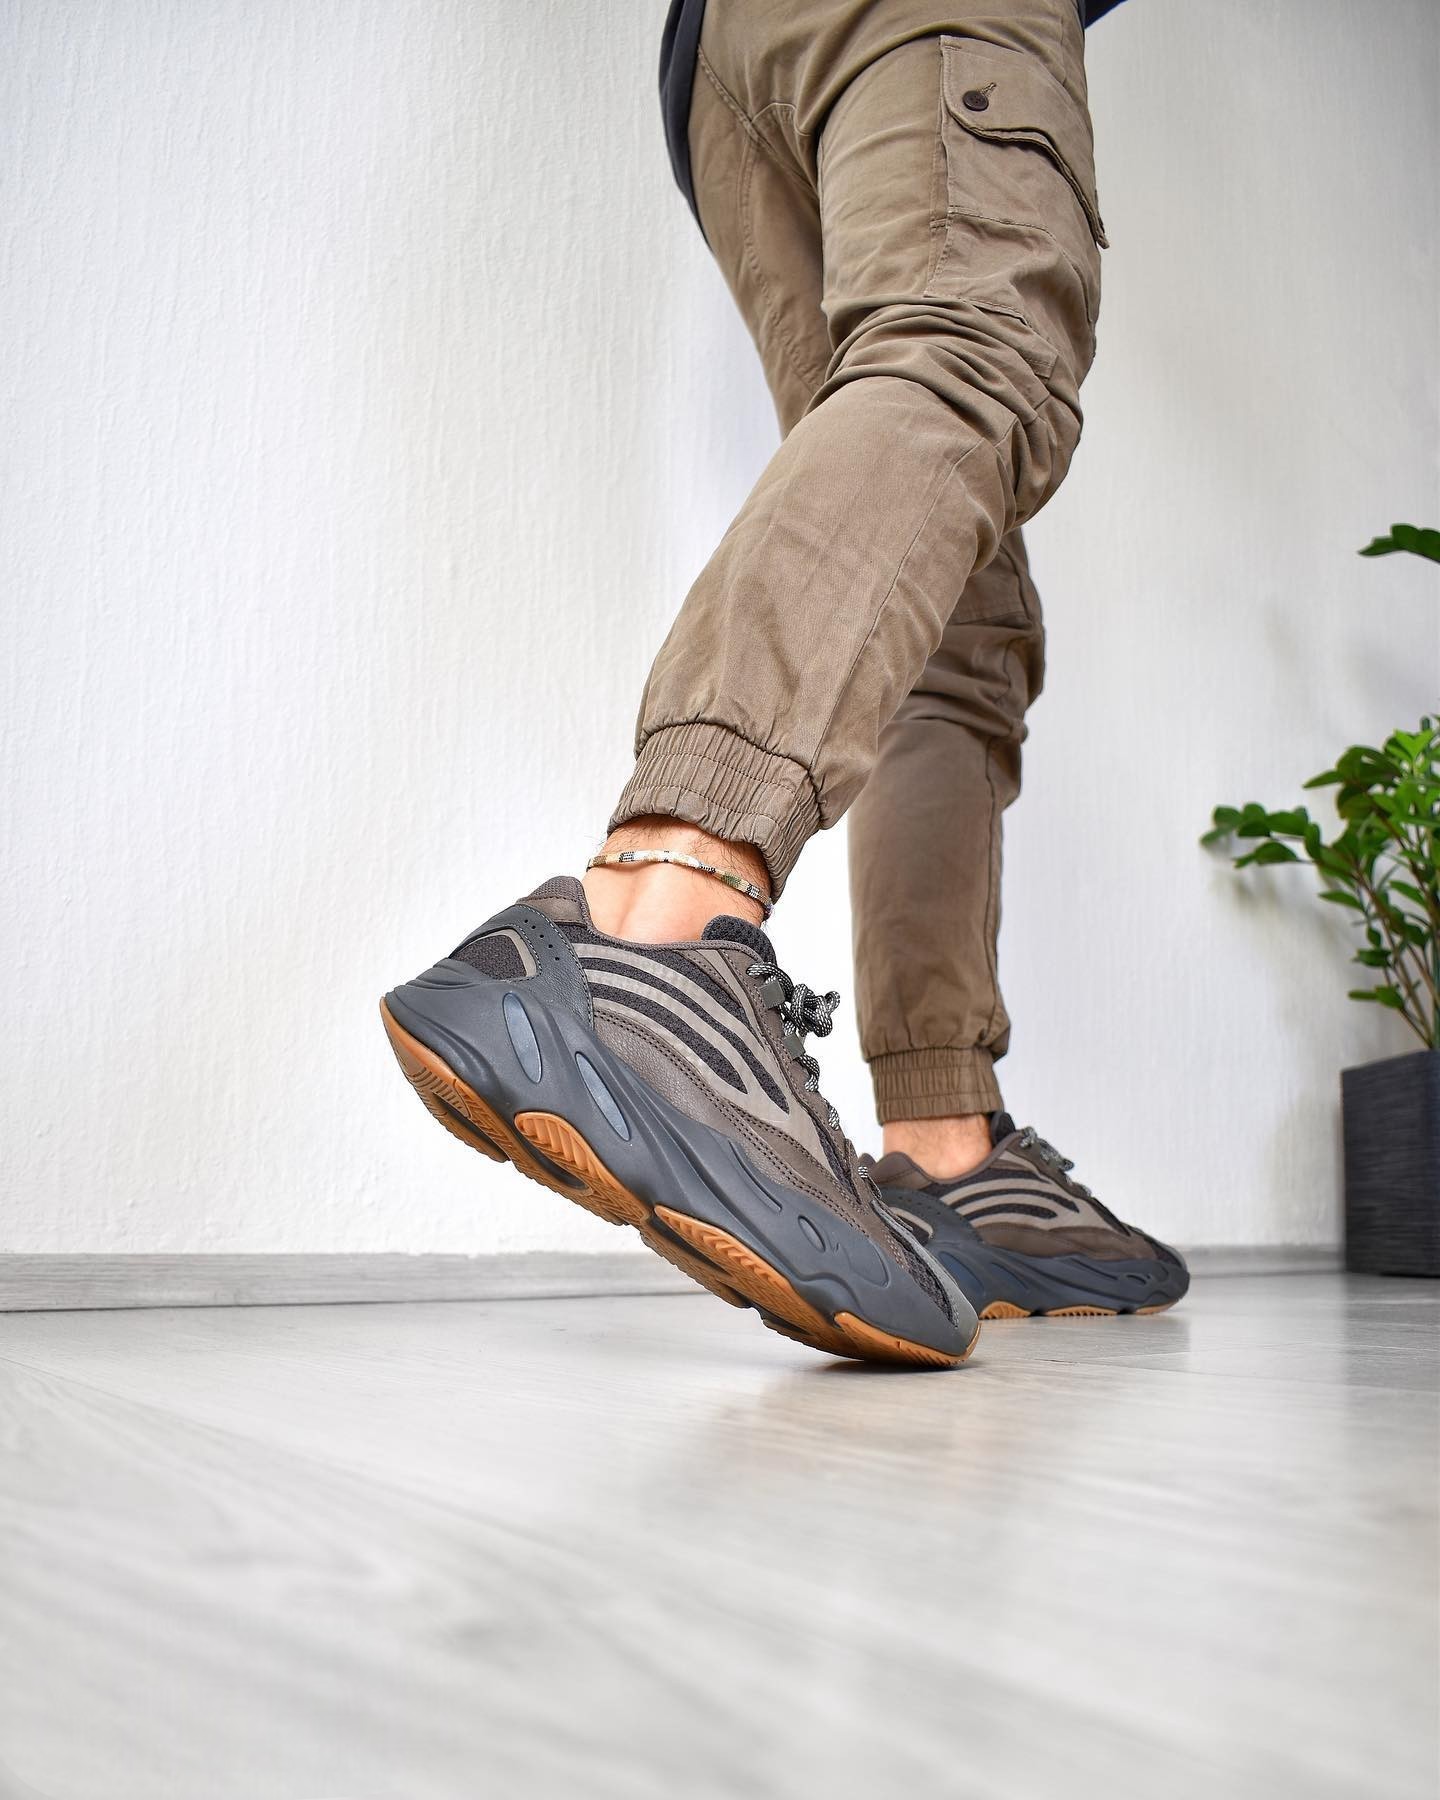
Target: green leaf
(1384, 862)
(1329, 858)
(1382, 996)
(1226, 819)
(1415, 538)
(1363, 767)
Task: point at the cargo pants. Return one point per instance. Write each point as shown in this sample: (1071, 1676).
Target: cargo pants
(902, 201)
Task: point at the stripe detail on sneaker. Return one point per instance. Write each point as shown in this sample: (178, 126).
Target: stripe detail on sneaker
(703, 979)
(591, 951)
(628, 971)
(1009, 1208)
(918, 1227)
(1003, 1188)
(993, 1172)
(714, 1059)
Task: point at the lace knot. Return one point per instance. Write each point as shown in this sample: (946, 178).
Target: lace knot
(1031, 1139)
(804, 1014)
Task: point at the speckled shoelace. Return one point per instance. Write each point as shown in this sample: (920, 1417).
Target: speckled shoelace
(803, 1011)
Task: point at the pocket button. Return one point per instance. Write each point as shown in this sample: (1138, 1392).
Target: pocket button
(975, 101)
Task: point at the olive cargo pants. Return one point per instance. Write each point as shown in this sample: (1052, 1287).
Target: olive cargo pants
(902, 200)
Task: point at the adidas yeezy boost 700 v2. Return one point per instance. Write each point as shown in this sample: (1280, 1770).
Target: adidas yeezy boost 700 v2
(1021, 1237)
(667, 1086)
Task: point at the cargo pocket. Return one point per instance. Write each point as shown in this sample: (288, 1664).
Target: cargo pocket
(1022, 229)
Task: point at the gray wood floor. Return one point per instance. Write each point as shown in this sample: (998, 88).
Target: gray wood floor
(640, 1547)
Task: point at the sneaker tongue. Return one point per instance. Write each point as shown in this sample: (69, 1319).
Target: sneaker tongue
(730, 930)
(1001, 1127)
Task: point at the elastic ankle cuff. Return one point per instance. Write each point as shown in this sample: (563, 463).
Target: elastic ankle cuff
(711, 777)
(934, 1084)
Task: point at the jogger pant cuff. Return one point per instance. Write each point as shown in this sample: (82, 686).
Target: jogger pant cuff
(933, 1084)
(710, 776)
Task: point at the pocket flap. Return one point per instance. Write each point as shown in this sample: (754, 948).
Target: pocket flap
(1022, 105)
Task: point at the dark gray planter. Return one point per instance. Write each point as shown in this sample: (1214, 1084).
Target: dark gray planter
(1392, 1165)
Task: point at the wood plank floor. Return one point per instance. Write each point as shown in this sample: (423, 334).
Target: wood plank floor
(640, 1547)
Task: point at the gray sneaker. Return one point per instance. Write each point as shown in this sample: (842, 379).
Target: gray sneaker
(1021, 1237)
(667, 1086)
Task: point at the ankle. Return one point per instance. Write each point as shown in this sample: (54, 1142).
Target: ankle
(944, 1147)
(659, 903)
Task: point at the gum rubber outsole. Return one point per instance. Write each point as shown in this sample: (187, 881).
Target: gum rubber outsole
(553, 1152)
(1006, 1309)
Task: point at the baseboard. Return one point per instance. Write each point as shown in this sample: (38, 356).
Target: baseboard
(82, 1283)
(1264, 1259)
(90, 1283)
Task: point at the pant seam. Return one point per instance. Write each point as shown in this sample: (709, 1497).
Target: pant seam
(889, 594)
(708, 69)
(992, 886)
(748, 120)
(811, 378)
(756, 147)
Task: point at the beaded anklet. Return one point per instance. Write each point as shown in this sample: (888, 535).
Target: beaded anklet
(749, 889)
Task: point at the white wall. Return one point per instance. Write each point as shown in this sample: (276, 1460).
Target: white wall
(371, 404)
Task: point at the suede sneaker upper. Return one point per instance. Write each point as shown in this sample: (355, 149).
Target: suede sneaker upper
(1018, 1228)
(670, 1087)
(719, 1029)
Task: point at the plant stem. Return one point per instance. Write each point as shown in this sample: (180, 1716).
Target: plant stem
(1399, 952)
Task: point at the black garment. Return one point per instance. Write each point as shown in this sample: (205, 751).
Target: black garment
(679, 44)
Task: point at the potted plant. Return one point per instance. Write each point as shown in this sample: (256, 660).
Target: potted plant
(1383, 866)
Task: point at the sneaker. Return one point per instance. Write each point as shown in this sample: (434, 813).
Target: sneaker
(1021, 1237)
(667, 1086)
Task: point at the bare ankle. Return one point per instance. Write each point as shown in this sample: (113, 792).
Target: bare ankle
(944, 1147)
(663, 903)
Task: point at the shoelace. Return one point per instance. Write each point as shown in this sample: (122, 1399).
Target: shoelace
(1030, 1139)
(803, 1012)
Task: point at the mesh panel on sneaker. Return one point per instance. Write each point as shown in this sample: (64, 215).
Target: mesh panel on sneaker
(917, 1267)
(729, 930)
(838, 1166)
(494, 954)
(558, 887)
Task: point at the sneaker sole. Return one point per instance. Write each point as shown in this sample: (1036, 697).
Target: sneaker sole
(553, 1151)
(1004, 1309)
(1071, 1287)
